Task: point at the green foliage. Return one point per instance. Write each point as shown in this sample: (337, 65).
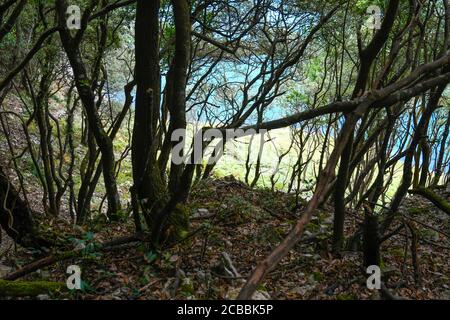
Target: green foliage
(362, 5)
(187, 287)
(88, 245)
(150, 257)
(318, 276)
(86, 287)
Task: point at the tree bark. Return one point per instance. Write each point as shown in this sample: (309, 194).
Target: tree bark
(371, 239)
(83, 84)
(442, 152)
(146, 174)
(179, 181)
(16, 217)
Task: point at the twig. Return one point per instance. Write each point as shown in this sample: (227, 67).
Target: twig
(230, 265)
(44, 262)
(427, 226)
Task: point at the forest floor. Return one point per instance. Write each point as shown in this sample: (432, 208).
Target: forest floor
(241, 227)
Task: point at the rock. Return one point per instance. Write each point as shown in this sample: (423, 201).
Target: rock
(43, 297)
(302, 290)
(258, 295)
(261, 295)
(232, 293)
(201, 214)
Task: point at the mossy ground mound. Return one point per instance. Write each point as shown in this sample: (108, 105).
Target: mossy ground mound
(29, 288)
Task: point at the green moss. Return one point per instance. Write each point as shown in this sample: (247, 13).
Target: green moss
(187, 287)
(345, 296)
(318, 276)
(270, 234)
(397, 252)
(29, 288)
(439, 202)
(415, 211)
(178, 223)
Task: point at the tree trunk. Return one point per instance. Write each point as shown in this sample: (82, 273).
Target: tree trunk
(179, 180)
(16, 217)
(339, 194)
(83, 84)
(147, 179)
(442, 151)
(371, 240)
(421, 131)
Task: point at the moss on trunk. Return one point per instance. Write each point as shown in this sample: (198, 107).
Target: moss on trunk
(29, 288)
(439, 202)
(178, 226)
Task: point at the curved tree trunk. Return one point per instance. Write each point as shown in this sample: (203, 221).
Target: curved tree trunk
(83, 84)
(16, 217)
